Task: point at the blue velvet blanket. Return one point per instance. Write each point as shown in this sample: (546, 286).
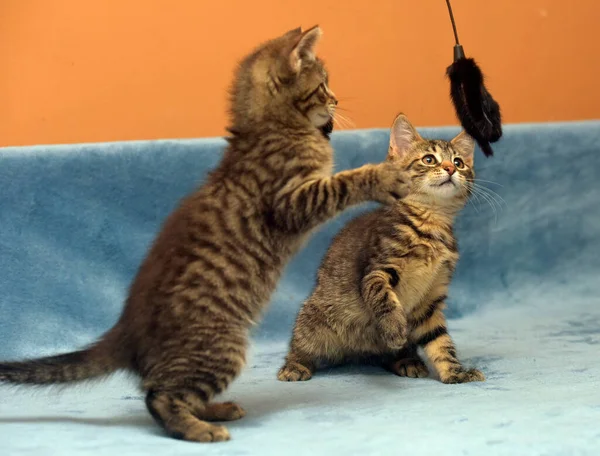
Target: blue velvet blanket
(75, 222)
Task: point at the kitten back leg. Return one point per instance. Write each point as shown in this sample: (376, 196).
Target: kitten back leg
(183, 381)
(313, 341)
(431, 333)
(176, 411)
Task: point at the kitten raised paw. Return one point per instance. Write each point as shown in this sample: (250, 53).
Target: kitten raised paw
(393, 332)
(410, 367)
(294, 372)
(393, 182)
(465, 376)
(395, 340)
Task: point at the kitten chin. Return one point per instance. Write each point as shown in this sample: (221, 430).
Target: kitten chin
(327, 129)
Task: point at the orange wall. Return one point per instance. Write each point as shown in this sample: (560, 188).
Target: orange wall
(79, 70)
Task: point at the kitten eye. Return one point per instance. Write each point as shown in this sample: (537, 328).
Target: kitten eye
(459, 163)
(429, 160)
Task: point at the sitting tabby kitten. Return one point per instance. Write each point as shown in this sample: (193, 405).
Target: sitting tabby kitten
(382, 286)
(215, 263)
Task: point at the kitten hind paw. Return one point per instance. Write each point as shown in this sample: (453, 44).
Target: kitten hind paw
(293, 372)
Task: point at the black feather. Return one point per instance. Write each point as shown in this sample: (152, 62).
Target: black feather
(477, 111)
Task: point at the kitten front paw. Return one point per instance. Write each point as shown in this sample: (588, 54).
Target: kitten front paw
(293, 372)
(392, 183)
(409, 367)
(394, 337)
(393, 330)
(464, 376)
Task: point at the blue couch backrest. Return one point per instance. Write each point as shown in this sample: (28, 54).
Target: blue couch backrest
(76, 221)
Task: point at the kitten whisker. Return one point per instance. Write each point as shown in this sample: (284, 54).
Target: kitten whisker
(472, 200)
(476, 193)
(494, 205)
(486, 190)
(488, 182)
(495, 196)
(474, 206)
(339, 124)
(342, 124)
(349, 123)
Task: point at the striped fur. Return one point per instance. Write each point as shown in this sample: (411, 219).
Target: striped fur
(382, 286)
(215, 263)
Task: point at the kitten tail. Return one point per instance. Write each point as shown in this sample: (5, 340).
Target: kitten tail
(98, 360)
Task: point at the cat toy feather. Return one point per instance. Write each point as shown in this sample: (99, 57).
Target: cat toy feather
(477, 111)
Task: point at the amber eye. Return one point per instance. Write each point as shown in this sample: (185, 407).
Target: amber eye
(459, 163)
(429, 160)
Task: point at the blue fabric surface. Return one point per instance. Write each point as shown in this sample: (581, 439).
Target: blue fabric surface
(525, 307)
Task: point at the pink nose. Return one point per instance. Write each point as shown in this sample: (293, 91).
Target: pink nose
(449, 167)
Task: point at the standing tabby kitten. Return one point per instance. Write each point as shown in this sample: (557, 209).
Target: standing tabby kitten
(214, 265)
(382, 286)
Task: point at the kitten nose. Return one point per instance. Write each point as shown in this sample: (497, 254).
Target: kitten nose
(449, 167)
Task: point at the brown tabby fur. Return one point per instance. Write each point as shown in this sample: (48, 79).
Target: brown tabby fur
(382, 286)
(219, 255)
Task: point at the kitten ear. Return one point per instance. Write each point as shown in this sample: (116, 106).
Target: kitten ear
(304, 48)
(464, 144)
(402, 136)
(293, 33)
